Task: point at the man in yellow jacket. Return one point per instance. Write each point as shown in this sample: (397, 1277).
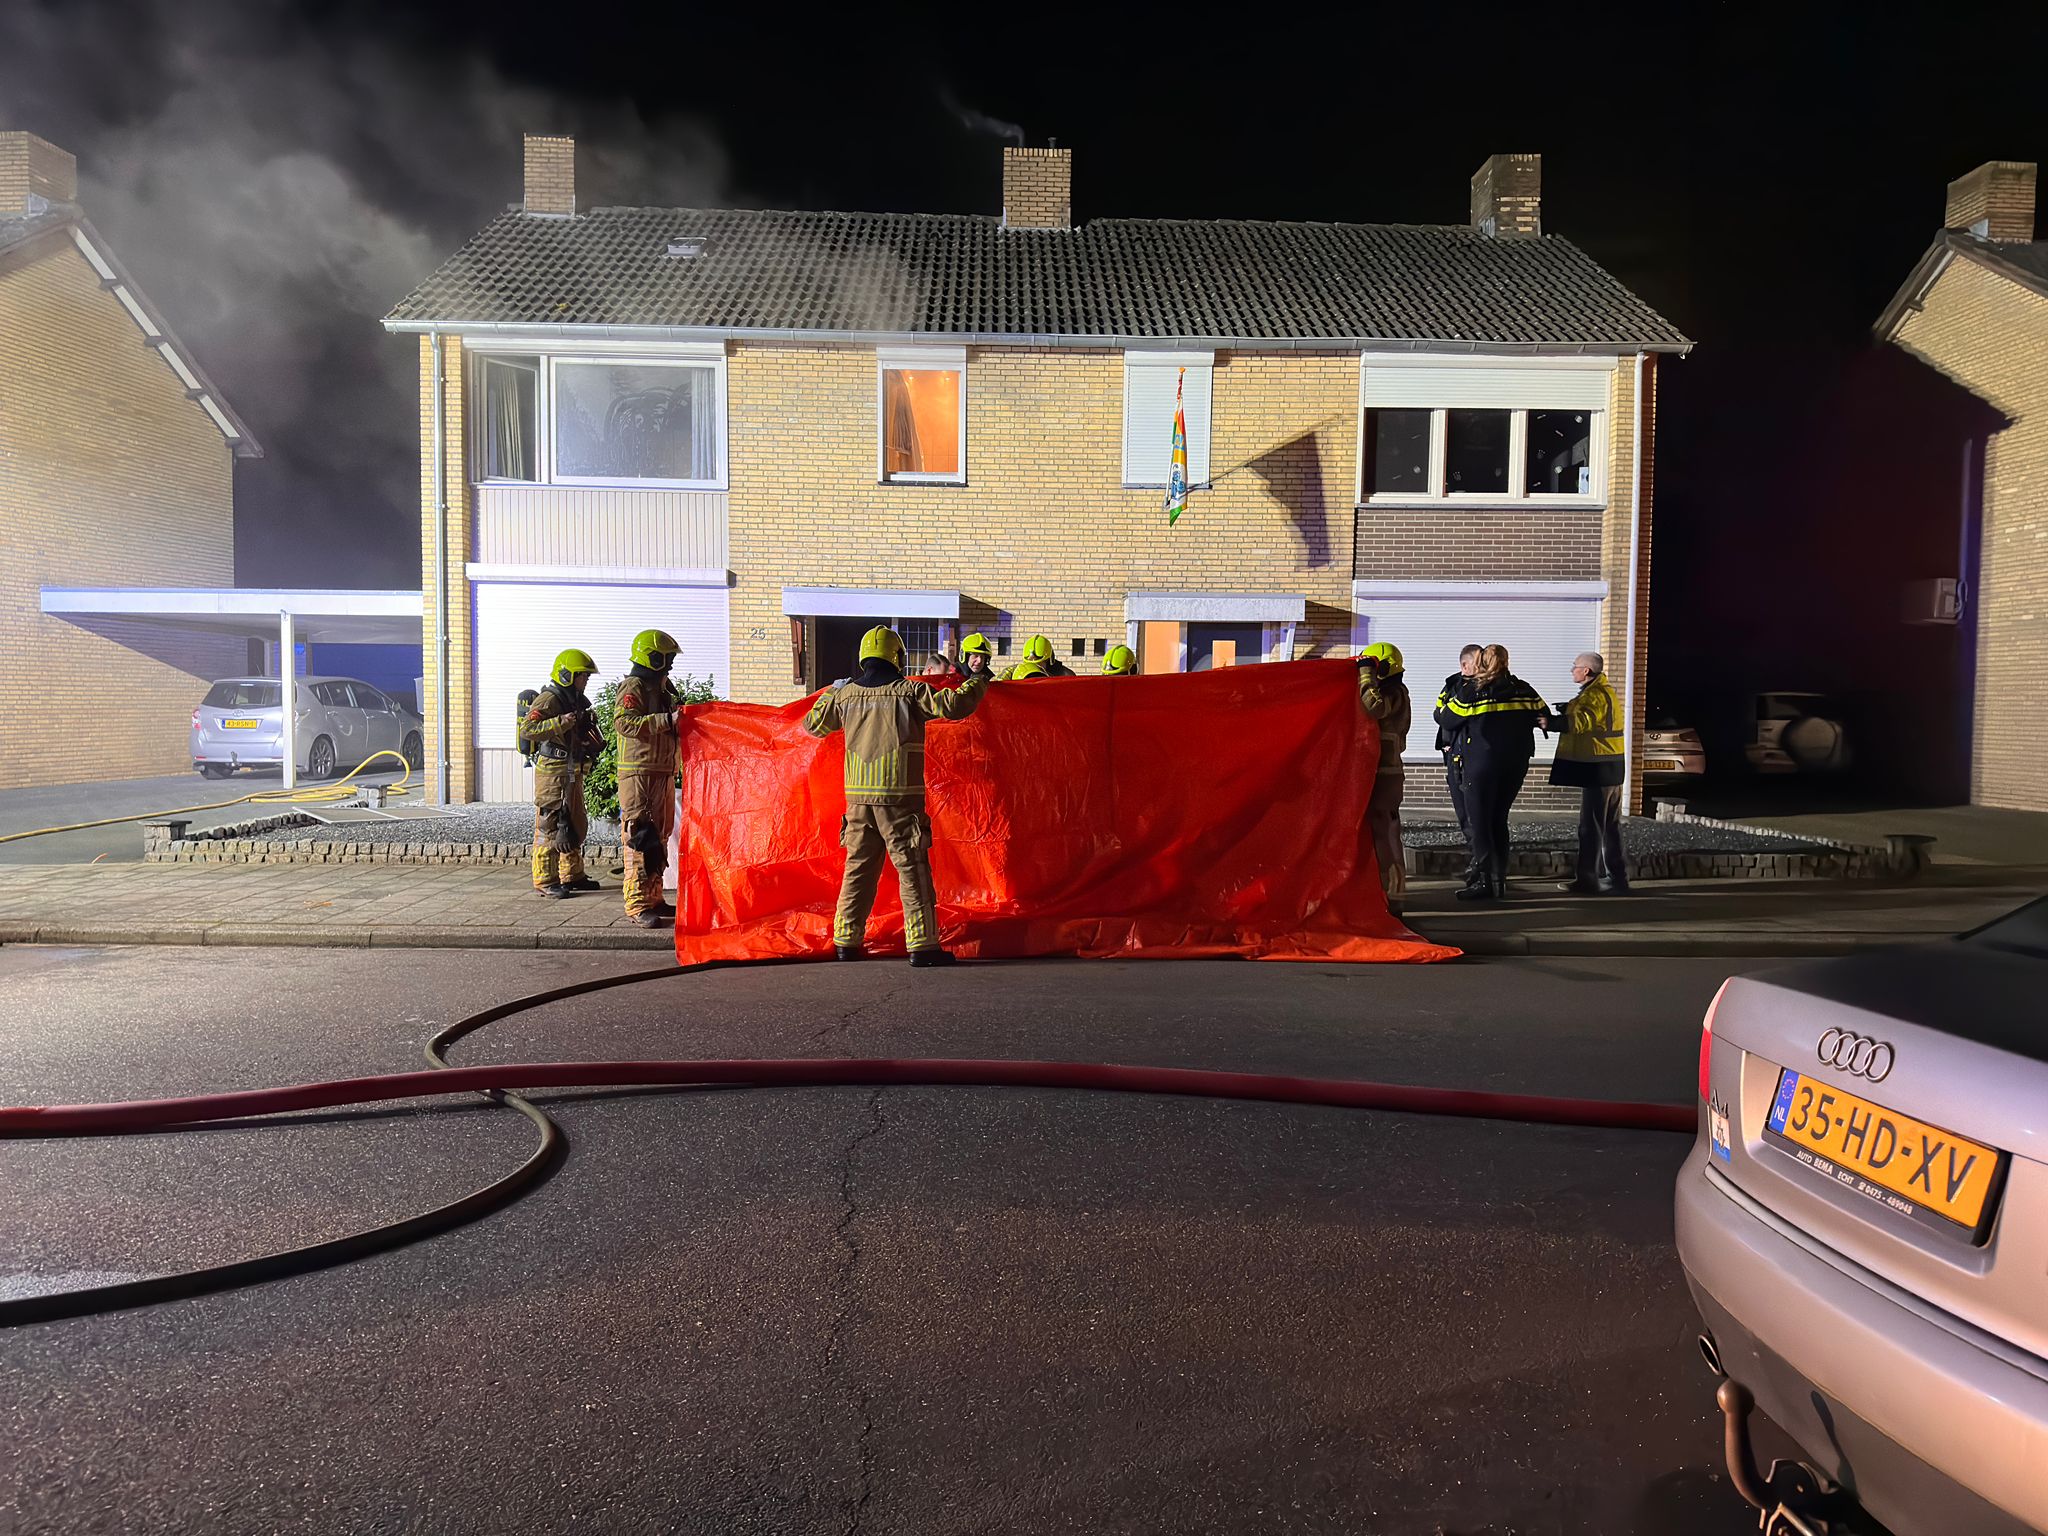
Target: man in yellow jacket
(1589, 756)
(644, 720)
(884, 715)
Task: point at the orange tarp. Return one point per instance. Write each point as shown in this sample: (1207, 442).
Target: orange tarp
(1212, 813)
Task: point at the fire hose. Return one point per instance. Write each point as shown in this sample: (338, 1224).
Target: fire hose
(500, 1084)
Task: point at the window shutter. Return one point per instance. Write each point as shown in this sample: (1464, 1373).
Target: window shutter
(1149, 380)
(1536, 389)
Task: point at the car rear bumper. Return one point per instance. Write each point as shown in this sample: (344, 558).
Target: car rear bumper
(267, 754)
(1935, 1435)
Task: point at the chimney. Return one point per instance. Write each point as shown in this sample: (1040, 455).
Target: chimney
(1038, 188)
(34, 173)
(1507, 196)
(1996, 200)
(550, 175)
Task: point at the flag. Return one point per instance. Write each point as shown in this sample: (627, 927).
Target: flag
(1177, 478)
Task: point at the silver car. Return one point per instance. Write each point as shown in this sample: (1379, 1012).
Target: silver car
(1863, 1222)
(341, 722)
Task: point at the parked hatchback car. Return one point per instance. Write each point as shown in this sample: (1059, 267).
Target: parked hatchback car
(1796, 733)
(1671, 747)
(1863, 1221)
(341, 722)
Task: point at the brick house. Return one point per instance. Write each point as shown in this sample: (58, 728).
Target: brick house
(766, 431)
(116, 467)
(1976, 309)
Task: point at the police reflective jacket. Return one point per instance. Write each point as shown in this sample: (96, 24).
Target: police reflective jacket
(1386, 700)
(1498, 719)
(884, 715)
(1589, 752)
(644, 719)
(1447, 739)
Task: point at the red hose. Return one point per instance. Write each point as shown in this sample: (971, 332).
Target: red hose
(144, 1114)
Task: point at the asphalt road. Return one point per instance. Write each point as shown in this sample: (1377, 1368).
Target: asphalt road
(865, 1311)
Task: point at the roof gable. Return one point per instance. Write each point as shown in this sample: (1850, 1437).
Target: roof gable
(964, 277)
(2023, 262)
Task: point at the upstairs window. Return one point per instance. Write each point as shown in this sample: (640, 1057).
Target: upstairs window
(638, 421)
(921, 408)
(1435, 429)
(1476, 452)
(1397, 453)
(1150, 381)
(1560, 454)
(509, 445)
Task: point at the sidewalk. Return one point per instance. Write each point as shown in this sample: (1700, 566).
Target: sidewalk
(411, 907)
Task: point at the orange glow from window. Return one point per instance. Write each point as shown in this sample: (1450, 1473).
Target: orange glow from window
(922, 410)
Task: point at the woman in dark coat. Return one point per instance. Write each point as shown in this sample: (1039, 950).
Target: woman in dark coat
(1495, 716)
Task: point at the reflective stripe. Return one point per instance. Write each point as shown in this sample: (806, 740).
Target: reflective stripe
(1494, 706)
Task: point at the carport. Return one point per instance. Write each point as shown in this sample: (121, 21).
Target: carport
(281, 617)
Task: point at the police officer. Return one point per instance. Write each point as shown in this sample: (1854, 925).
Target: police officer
(884, 715)
(1038, 652)
(1589, 757)
(1383, 690)
(1499, 715)
(1121, 661)
(563, 733)
(1450, 743)
(644, 718)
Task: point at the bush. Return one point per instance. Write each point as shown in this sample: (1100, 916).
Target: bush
(601, 783)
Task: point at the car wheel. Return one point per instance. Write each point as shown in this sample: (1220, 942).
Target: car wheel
(215, 770)
(414, 751)
(320, 761)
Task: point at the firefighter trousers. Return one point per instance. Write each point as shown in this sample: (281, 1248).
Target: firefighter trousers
(647, 818)
(902, 834)
(560, 823)
(1383, 813)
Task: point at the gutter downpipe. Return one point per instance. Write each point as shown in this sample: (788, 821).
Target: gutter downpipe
(1635, 537)
(441, 582)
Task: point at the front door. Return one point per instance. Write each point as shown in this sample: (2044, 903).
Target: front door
(836, 653)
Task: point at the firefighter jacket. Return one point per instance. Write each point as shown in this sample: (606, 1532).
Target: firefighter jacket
(644, 716)
(1589, 753)
(1386, 700)
(1497, 719)
(883, 714)
(561, 728)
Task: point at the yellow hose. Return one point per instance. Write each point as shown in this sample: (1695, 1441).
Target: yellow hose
(324, 794)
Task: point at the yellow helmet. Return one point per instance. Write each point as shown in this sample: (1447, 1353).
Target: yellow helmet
(977, 644)
(569, 663)
(1388, 656)
(655, 650)
(1038, 649)
(1121, 661)
(1025, 669)
(882, 643)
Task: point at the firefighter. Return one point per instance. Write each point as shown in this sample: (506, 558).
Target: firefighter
(563, 735)
(1383, 690)
(884, 715)
(1121, 661)
(1024, 671)
(644, 717)
(1038, 652)
(978, 655)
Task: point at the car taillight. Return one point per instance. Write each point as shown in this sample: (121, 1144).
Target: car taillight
(195, 719)
(1707, 1044)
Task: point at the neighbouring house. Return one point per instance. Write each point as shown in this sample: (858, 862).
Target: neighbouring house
(1976, 310)
(116, 467)
(766, 431)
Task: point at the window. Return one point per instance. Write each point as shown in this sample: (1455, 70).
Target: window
(1101, 648)
(1476, 453)
(242, 696)
(1560, 454)
(1397, 453)
(636, 421)
(510, 437)
(1151, 380)
(922, 415)
(333, 695)
(368, 697)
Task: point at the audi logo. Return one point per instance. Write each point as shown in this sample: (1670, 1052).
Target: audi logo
(1857, 1054)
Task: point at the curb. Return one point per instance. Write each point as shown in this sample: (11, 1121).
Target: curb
(1623, 944)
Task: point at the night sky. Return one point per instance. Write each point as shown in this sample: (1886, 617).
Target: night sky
(276, 178)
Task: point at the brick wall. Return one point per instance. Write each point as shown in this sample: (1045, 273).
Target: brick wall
(109, 476)
(32, 165)
(1991, 336)
(1526, 543)
(1043, 530)
(461, 678)
(1038, 188)
(550, 174)
(1507, 196)
(2000, 192)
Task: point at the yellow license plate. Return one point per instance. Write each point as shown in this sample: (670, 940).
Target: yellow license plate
(241, 725)
(1914, 1168)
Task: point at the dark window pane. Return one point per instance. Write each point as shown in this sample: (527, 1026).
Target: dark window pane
(242, 696)
(1560, 453)
(1397, 453)
(635, 422)
(1476, 452)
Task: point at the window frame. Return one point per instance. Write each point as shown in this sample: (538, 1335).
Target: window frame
(1166, 362)
(917, 360)
(1518, 491)
(508, 350)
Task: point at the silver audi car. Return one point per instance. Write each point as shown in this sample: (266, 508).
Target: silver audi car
(1863, 1222)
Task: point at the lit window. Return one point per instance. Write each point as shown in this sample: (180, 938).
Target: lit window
(511, 406)
(653, 422)
(1397, 453)
(1560, 458)
(1476, 452)
(921, 423)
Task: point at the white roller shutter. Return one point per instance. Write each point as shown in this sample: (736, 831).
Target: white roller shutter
(521, 626)
(1565, 387)
(1149, 382)
(1544, 625)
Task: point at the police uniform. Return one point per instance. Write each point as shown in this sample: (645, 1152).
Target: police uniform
(883, 715)
(1498, 719)
(565, 741)
(644, 720)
